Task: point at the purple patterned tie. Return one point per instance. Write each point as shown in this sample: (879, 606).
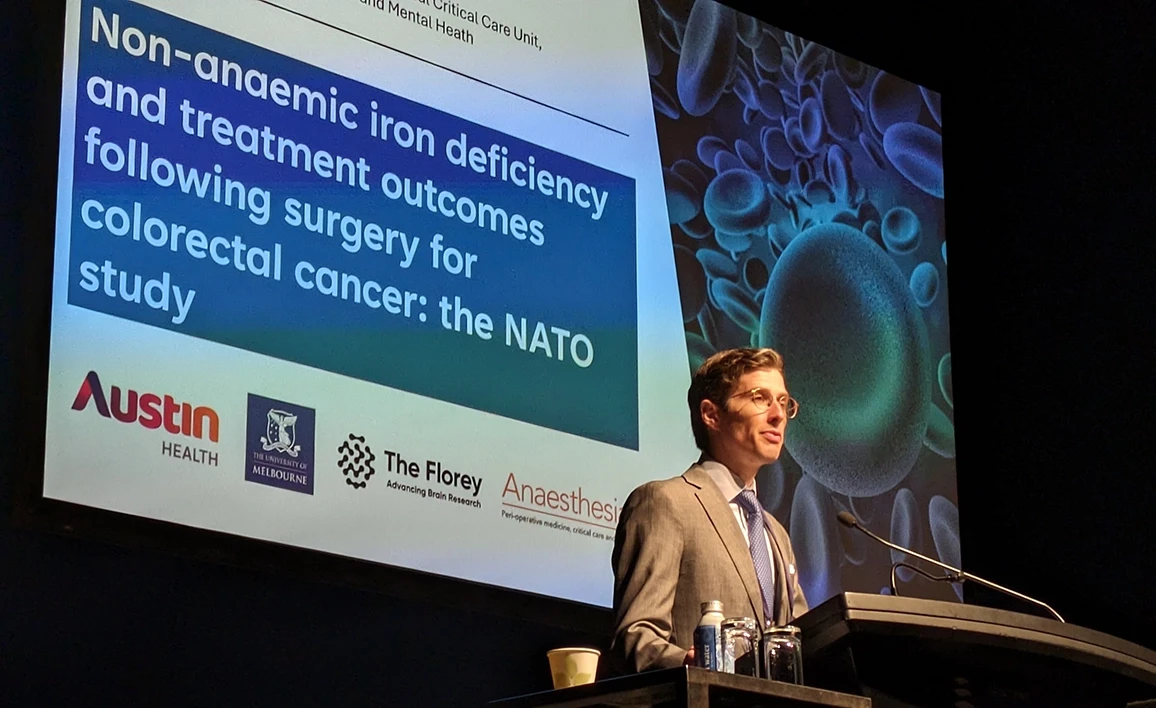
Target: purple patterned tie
(749, 503)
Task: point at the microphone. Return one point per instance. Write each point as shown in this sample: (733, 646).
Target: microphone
(954, 575)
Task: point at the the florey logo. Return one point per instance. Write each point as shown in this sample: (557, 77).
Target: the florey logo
(151, 410)
(356, 461)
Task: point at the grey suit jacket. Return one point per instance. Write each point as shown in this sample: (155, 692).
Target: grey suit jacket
(678, 545)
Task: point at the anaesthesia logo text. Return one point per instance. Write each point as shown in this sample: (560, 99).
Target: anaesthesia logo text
(150, 410)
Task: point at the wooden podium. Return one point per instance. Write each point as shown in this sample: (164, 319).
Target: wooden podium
(905, 652)
(896, 652)
(685, 688)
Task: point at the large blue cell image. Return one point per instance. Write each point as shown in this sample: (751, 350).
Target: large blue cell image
(806, 200)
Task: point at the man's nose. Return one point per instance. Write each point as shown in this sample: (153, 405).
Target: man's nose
(776, 412)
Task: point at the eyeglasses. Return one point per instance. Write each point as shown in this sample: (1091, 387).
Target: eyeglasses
(762, 399)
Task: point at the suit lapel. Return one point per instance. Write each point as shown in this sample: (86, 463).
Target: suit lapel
(783, 579)
(721, 517)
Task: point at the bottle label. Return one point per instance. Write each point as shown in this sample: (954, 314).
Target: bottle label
(706, 647)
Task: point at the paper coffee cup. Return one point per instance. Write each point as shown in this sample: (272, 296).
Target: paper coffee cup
(573, 666)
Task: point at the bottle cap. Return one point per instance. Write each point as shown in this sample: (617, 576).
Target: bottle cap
(712, 606)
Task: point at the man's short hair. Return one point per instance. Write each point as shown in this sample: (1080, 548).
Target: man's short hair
(714, 380)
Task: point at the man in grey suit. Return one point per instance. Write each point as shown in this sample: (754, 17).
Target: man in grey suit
(703, 535)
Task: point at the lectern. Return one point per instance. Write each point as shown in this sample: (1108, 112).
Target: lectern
(904, 652)
(863, 650)
(685, 688)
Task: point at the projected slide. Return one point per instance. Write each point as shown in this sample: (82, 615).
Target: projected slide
(369, 279)
(395, 281)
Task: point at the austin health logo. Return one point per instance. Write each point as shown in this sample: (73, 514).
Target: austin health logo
(279, 444)
(356, 461)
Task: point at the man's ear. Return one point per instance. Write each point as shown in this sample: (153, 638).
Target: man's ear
(710, 413)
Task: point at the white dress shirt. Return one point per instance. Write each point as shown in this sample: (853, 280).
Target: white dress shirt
(728, 484)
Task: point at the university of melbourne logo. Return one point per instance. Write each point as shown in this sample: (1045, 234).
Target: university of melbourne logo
(279, 444)
(356, 461)
(281, 433)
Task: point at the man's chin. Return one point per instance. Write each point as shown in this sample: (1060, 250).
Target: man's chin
(771, 456)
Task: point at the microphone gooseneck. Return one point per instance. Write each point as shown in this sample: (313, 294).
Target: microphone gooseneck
(953, 574)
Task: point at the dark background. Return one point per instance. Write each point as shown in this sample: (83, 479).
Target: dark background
(1049, 167)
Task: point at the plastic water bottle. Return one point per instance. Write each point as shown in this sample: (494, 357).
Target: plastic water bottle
(708, 637)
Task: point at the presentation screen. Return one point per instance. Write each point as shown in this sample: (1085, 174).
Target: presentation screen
(422, 283)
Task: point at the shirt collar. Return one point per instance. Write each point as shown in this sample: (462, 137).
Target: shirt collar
(729, 484)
